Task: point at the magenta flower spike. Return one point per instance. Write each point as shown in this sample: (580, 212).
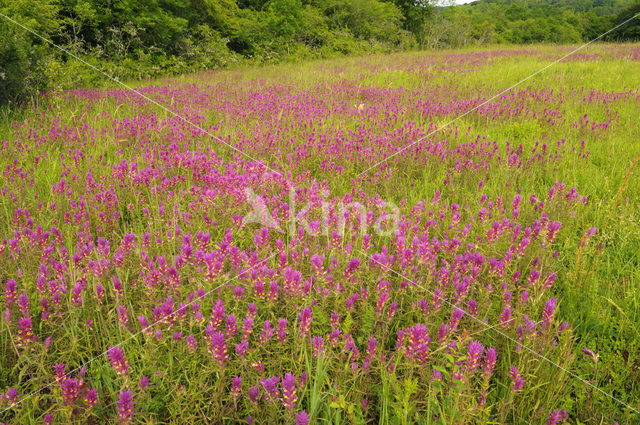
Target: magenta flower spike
(12, 396)
(489, 364)
(69, 389)
(267, 332)
(548, 313)
(557, 416)
(505, 317)
(23, 304)
(118, 360)
(125, 407)
(231, 326)
(289, 397)
(144, 382)
(192, 344)
(254, 394)
(10, 290)
(474, 353)
(91, 398)
(59, 368)
(241, 349)
(217, 314)
(382, 299)
(236, 386)
(304, 321)
(516, 379)
(25, 332)
(270, 386)
(318, 346)
(282, 330)
(371, 348)
(302, 418)
(418, 343)
(247, 328)
(455, 318)
(218, 348)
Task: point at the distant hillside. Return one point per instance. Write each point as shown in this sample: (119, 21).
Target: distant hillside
(534, 21)
(543, 7)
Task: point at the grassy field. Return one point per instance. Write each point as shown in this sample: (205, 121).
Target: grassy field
(459, 254)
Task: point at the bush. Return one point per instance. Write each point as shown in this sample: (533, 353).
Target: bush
(24, 58)
(631, 30)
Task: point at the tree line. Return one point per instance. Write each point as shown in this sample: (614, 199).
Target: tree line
(537, 21)
(133, 39)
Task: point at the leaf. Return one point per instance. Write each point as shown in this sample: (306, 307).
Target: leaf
(367, 325)
(346, 326)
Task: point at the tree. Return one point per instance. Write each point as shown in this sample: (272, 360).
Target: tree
(416, 13)
(631, 30)
(365, 19)
(24, 57)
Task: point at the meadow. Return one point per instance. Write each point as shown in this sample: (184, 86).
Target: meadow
(300, 245)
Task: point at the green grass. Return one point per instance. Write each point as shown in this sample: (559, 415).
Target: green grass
(598, 287)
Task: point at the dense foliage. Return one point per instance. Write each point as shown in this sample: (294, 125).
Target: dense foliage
(133, 39)
(537, 21)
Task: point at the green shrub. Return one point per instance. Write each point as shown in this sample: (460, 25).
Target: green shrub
(24, 58)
